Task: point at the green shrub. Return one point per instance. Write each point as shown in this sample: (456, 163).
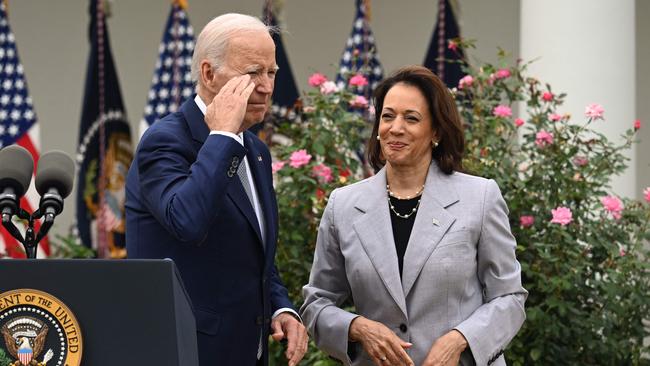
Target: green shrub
(588, 278)
(580, 247)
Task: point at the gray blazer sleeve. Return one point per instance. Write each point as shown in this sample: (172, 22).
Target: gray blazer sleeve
(493, 325)
(327, 289)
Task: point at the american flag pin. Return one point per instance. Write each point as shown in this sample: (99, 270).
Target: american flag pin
(259, 157)
(436, 222)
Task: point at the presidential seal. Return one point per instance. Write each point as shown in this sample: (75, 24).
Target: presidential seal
(38, 330)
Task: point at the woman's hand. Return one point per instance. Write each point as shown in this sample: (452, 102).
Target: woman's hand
(446, 350)
(382, 344)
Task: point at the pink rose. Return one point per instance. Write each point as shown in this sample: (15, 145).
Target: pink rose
(299, 158)
(646, 194)
(358, 80)
(613, 205)
(323, 172)
(502, 111)
(637, 124)
(621, 252)
(519, 122)
(328, 87)
(562, 216)
(503, 73)
(277, 166)
(452, 45)
(580, 161)
(547, 96)
(543, 138)
(359, 102)
(317, 79)
(555, 117)
(526, 221)
(594, 111)
(466, 81)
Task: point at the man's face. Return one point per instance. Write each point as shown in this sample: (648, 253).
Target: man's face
(250, 53)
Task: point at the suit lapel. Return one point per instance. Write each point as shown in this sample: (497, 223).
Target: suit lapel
(238, 195)
(431, 223)
(375, 233)
(200, 131)
(262, 185)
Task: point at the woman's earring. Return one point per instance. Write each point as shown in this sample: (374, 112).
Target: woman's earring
(378, 137)
(434, 144)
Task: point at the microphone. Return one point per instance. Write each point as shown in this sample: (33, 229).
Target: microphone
(54, 180)
(15, 175)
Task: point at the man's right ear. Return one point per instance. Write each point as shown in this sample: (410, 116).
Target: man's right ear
(207, 74)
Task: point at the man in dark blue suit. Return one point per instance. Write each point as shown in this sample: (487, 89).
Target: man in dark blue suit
(200, 191)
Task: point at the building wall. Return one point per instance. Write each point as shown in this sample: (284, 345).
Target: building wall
(52, 42)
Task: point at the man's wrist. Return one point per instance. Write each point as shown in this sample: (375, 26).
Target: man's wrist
(355, 329)
(288, 311)
(460, 339)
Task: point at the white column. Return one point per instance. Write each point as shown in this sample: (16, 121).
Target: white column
(586, 48)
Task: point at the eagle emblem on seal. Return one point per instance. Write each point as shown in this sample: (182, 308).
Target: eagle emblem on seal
(25, 338)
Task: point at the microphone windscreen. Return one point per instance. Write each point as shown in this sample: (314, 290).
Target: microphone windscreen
(55, 170)
(16, 168)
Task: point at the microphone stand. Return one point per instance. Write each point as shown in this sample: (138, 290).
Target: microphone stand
(31, 239)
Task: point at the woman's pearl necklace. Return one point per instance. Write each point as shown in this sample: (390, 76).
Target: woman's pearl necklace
(392, 194)
(413, 211)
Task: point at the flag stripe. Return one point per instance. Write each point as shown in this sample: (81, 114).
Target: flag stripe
(11, 245)
(18, 125)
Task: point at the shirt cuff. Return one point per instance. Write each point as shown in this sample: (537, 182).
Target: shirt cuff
(229, 134)
(287, 310)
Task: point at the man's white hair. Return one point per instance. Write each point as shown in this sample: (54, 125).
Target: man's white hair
(213, 40)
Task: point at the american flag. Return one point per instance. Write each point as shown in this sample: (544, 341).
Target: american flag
(172, 81)
(360, 55)
(17, 126)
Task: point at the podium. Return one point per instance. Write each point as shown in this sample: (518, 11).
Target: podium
(130, 312)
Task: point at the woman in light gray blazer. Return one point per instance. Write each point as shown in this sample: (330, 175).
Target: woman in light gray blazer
(424, 252)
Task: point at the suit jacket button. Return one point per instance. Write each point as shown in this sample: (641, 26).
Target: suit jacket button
(230, 174)
(403, 328)
(235, 160)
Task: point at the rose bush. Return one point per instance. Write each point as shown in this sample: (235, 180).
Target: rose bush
(580, 246)
(320, 153)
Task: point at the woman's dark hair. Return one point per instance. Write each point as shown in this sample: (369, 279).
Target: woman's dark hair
(444, 117)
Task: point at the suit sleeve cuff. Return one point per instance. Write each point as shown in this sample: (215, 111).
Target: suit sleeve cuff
(287, 310)
(472, 343)
(229, 134)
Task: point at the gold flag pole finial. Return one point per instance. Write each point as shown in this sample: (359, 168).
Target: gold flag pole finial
(366, 4)
(181, 3)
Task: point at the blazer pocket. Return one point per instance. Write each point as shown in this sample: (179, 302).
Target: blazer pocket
(207, 322)
(454, 237)
(455, 246)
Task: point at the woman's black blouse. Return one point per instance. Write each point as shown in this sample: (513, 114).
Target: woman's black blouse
(402, 227)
